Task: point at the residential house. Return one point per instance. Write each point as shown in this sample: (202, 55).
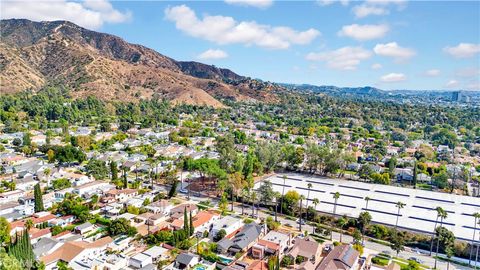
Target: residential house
(228, 223)
(242, 241)
(343, 257)
(161, 206)
(140, 260)
(274, 243)
(84, 228)
(75, 252)
(307, 248)
(185, 261)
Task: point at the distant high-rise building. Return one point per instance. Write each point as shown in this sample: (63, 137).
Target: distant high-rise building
(457, 96)
(460, 96)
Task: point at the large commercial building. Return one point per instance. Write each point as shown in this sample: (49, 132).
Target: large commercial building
(418, 214)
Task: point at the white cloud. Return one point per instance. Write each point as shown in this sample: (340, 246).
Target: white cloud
(329, 2)
(90, 14)
(364, 10)
(393, 77)
(225, 30)
(364, 32)
(346, 58)
(377, 7)
(463, 50)
(452, 84)
(377, 66)
(432, 72)
(253, 3)
(212, 54)
(393, 50)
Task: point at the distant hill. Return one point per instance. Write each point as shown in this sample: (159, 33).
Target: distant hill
(334, 90)
(35, 54)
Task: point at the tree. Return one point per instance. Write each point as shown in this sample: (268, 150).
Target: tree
(4, 232)
(443, 215)
(266, 192)
(29, 224)
(300, 221)
(399, 206)
(367, 199)
(27, 141)
(341, 223)
(121, 226)
(309, 186)
(191, 227)
(173, 189)
(220, 235)
(447, 239)
(364, 220)
(9, 262)
(97, 169)
(37, 194)
(439, 213)
(225, 146)
(113, 170)
(22, 250)
(236, 183)
(290, 201)
(51, 155)
(397, 243)
(336, 196)
(186, 224)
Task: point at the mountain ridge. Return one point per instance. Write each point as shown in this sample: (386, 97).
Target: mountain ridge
(34, 54)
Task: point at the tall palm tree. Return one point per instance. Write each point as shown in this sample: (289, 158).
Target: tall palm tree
(283, 194)
(276, 196)
(253, 197)
(300, 216)
(341, 223)
(399, 205)
(336, 196)
(439, 211)
(367, 199)
(477, 217)
(308, 194)
(443, 216)
(244, 193)
(316, 202)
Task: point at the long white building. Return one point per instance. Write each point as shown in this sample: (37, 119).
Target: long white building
(419, 213)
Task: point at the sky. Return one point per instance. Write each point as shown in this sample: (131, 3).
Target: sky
(389, 44)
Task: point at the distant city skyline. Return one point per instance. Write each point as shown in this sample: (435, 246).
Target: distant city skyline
(388, 44)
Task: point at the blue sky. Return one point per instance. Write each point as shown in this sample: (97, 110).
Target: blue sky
(390, 44)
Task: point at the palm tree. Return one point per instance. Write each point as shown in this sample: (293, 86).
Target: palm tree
(336, 196)
(308, 195)
(28, 224)
(341, 223)
(236, 183)
(439, 211)
(316, 202)
(244, 193)
(399, 205)
(477, 217)
(443, 215)
(283, 194)
(300, 216)
(276, 196)
(253, 197)
(367, 199)
(47, 173)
